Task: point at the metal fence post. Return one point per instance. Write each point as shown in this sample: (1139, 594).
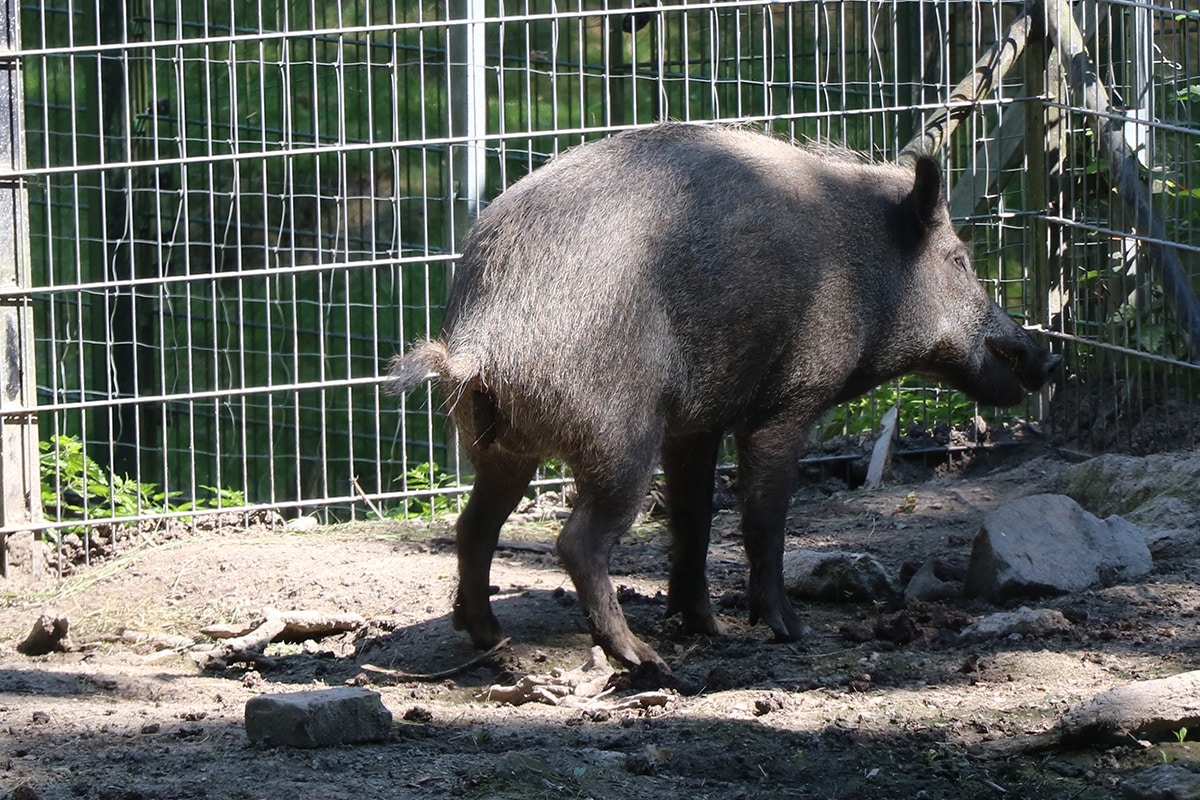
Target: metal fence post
(20, 501)
(468, 115)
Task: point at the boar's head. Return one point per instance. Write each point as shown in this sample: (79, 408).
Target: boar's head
(970, 342)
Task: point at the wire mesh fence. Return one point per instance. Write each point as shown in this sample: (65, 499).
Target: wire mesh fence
(238, 211)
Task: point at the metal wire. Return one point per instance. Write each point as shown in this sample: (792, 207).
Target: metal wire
(240, 210)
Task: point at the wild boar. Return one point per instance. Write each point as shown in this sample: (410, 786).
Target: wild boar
(631, 302)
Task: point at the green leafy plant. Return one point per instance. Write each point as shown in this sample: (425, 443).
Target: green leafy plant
(917, 402)
(75, 486)
(427, 477)
(220, 498)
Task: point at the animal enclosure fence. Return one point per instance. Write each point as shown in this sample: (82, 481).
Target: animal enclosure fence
(222, 218)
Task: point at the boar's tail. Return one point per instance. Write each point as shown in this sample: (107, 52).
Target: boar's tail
(431, 359)
(424, 362)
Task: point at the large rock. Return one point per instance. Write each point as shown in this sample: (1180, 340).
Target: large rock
(1125, 485)
(321, 718)
(1047, 544)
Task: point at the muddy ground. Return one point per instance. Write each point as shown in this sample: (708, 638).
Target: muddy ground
(908, 713)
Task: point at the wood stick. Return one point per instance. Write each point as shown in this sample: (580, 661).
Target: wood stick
(989, 71)
(363, 496)
(276, 625)
(503, 544)
(399, 676)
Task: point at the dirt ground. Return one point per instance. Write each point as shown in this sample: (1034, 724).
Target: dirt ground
(880, 702)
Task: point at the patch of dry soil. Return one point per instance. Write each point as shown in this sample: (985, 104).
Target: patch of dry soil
(880, 702)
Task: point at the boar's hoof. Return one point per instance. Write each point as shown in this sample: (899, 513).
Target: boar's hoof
(635, 654)
(484, 629)
(703, 621)
(785, 635)
(782, 620)
(705, 625)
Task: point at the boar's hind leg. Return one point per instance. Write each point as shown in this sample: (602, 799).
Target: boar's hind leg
(604, 510)
(500, 481)
(767, 476)
(688, 464)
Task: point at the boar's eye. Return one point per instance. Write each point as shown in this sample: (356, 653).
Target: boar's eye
(961, 262)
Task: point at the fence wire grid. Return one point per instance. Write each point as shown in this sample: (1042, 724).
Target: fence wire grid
(237, 212)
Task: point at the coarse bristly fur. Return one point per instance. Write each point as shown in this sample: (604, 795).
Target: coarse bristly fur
(639, 297)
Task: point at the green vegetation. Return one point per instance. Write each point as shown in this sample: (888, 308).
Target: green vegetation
(918, 403)
(75, 487)
(428, 477)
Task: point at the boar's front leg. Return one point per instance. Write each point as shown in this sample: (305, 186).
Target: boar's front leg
(688, 464)
(500, 481)
(767, 476)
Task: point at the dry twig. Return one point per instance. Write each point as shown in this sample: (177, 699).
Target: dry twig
(276, 626)
(399, 676)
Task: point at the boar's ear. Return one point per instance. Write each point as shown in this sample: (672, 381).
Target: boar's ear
(927, 189)
(918, 210)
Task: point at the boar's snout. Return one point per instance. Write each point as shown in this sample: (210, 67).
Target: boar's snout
(1032, 364)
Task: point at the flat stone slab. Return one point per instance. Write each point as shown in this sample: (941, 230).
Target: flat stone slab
(320, 718)
(1150, 708)
(1117, 484)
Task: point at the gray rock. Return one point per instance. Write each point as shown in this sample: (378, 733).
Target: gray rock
(836, 576)
(1165, 512)
(1115, 484)
(1159, 493)
(926, 586)
(1162, 782)
(321, 718)
(1047, 544)
(1024, 622)
(1176, 543)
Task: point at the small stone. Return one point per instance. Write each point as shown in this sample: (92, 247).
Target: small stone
(49, 634)
(1020, 623)
(925, 586)
(302, 524)
(835, 576)
(418, 714)
(322, 718)
(1162, 782)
